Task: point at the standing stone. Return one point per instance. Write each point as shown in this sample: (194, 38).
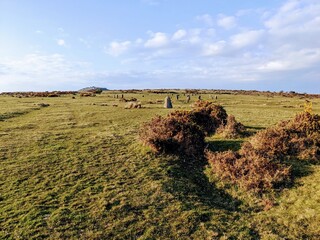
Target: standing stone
(177, 97)
(199, 97)
(167, 102)
(188, 98)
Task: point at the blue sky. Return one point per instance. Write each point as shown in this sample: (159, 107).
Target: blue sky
(124, 44)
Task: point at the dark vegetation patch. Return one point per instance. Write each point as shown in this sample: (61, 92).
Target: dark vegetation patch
(173, 135)
(269, 159)
(9, 115)
(183, 132)
(262, 164)
(232, 129)
(248, 170)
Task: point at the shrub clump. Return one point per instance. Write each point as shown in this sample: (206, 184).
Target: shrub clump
(209, 116)
(250, 170)
(183, 132)
(299, 137)
(232, 129)
(173, 135)
(200, 118)
(260, 165)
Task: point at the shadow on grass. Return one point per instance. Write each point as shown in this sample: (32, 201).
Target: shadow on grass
(224, 145)
(189, 184)
(9, 115)
(299, 169)
(251, 130)
(255, 128)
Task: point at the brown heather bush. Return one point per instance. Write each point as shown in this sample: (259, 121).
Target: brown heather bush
(183, 132)
(299, 137)
(272, 142)
(232, 129)
(250, 171)
(201, 118)
(173, 135)
(209, 116)
(217, 112)
(260, 165)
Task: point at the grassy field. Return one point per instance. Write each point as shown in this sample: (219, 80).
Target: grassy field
(76, 170)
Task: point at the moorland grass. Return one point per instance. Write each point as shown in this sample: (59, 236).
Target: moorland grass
(76, 170)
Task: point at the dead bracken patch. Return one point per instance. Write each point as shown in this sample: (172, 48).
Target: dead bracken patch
(299, 137)
(232, 129)
(262, 163)
(173, 135)
(184, 131)
(249, 170)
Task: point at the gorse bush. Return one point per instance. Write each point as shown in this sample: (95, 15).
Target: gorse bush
(201, 118)
(299, 137)
(249, 170)
(217, 114)
(261, 163)
(173, 135)
(183, 132)
(214, 118)
(232, 129)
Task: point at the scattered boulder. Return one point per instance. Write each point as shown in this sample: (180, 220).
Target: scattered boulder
(188, 99)
(131, 105)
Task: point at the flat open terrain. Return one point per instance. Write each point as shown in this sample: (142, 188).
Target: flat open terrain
(76, 170)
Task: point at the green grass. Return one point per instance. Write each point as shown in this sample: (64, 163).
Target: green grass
(76, 170)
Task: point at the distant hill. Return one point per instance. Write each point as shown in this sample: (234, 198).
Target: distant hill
(90, 89)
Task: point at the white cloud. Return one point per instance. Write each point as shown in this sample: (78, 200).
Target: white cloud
(205, 18)
(226, 22)
(178, 35)
(42, 72)
(214, 48)
(194, 36)
(157, 40)
(294, 14)
(303, 59)
(245, 39)
(61, 42)
(117, 48)
(139, 41)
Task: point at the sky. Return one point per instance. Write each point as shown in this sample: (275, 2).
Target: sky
(271, 45)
